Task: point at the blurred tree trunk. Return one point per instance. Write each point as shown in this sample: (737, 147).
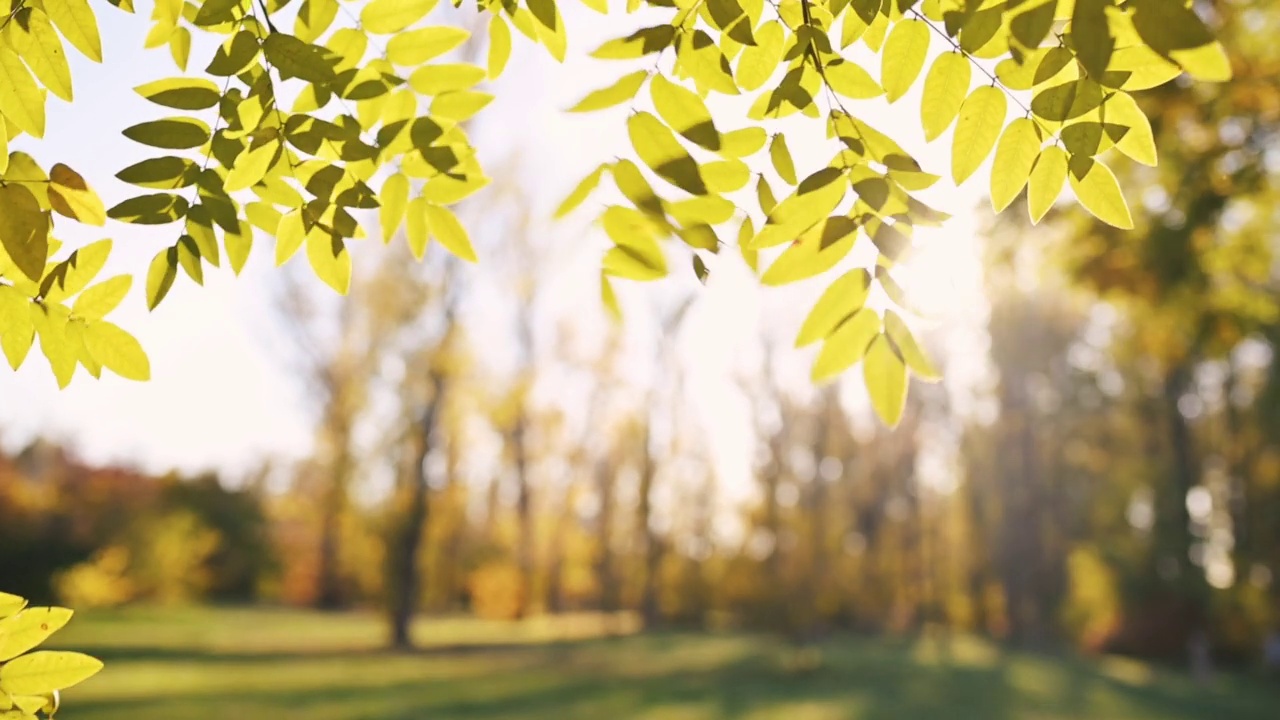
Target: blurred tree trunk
(410, 509)
(648, 539)
(606, 576)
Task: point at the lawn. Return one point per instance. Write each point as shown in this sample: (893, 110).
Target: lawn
(251, 664)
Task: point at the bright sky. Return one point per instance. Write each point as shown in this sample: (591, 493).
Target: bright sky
(221, 396)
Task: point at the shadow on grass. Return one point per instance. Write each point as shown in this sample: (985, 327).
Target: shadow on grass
(668, 677)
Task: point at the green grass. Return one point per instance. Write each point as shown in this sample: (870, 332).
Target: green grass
(241, 664)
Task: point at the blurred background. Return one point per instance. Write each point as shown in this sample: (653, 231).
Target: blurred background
(463, 492)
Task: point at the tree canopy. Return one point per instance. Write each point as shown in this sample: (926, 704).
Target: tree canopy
(319, 122)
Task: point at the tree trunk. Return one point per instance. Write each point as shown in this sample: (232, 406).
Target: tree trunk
(649, 541)
(411, 511)
(524, 514)
(606, 578)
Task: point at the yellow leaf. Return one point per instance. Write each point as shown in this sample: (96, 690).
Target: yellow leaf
(21, 100)
(289, 235)
(1138, 141)
(24, 230)
(415, 47)
(1016, 155)
(812, 201)
(98, 300)
(758, 63)
(658, 148)
(945, 88)
(70, 196)
(846, 345)
(22, 632)
(1097, 190)
(499, 45)
(685, 112)
(391, 16)
(445, 77)
(981, 119)
(1047, 179)
(903, 57)
(886, 378)
(119, 352)
(77, 23)
(330, 260)
(780, 155)
(1177, 32)
(814, 252)
(449, 232)
(851, 81)
(33, 37)
(581, 191)
(908, 348)
(619, 92)
(844, 297)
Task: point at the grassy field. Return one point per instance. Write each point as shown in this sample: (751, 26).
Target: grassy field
(204, 664)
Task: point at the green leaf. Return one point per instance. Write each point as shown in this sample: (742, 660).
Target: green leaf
(903, 57)
(119, 352)
(216, 12)
(658, 148)
(154, 209)
(1016, 156)
(415, 47)
(24, 230)
(95, 302)
(841, 299)
(945, 89)
(235, 54)
(391, 16)
(1033, 22)
(846, 345)
(77, 23)
(621, 91)
(43, 672)
(1047, 178)
(293, 58)
(981, 120)
(449, 232)
(1097, 190)
(177, 133)
(1091, 34)
(160, 276)
(780, 155)
(167, 173)
(182, 93)
(908, 348)
(24, 631)
(21, 100)
(886, 378)
(1177, 32)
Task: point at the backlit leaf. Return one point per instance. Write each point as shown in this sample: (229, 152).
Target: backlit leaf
(981, 120)
(1016, 155)
(886, 377)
